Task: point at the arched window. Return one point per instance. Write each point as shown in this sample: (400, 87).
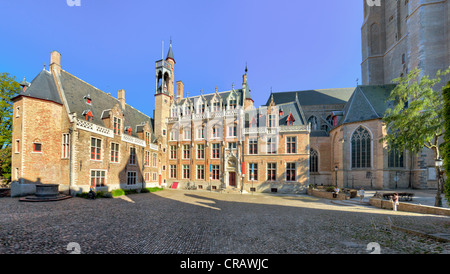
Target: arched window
(361, 148)
(313, 161)
(395, 157)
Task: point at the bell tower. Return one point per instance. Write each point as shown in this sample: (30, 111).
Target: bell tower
(164, 92)
(164, 96)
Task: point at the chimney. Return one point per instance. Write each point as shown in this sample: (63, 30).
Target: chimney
(121, 97)
(180, 90)
(55, 62)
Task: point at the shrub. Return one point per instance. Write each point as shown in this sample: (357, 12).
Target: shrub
(117, 192)
(330, 189)
(153, 189)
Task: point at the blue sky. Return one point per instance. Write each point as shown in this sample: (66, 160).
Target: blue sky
(112, 45)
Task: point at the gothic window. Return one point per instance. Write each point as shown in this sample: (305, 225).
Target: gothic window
(395, 158)
(313, 161)
(232, 104)
(216, 107)
(361, 148)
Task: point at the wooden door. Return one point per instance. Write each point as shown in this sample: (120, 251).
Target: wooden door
(232, 178)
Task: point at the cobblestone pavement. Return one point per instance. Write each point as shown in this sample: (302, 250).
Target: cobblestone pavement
(196, 222)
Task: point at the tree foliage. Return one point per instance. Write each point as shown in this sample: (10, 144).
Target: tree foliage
(9, 88)
(446, 145)
(415, 119)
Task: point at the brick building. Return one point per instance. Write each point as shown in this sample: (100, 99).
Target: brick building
(68, 132)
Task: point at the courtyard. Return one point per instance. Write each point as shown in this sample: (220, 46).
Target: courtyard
(201, 222)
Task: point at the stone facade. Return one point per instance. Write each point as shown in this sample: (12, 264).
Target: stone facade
(56, 144)
(399, 36)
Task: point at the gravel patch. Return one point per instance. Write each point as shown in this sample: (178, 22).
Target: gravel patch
(200, 222)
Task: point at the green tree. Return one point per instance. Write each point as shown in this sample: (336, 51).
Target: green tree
(416, 119)
(446, 145)
(9, 88)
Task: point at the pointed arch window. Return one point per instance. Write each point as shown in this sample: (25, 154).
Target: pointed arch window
(395, 157)
(313, 161)
(361, 148)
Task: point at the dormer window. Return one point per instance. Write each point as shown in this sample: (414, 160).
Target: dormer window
(187, 111)
(128, 130)
(216, 107)
(253, 123)
(174, 112)
(233, 104)
(88, 114)
(87, 99)
(290, 120)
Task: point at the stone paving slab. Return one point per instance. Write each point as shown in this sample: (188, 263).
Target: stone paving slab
(201, 222)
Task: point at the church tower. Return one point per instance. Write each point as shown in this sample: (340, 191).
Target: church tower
(164, 96)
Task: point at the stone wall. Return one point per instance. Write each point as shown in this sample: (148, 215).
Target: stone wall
(409, 207)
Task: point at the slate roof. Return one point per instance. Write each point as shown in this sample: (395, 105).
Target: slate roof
(366, 103)
(75, 91)
(170, 53)
(43, 87)
(314, 97)
(260, 115)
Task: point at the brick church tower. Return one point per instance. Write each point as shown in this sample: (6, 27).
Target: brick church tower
(164, 96)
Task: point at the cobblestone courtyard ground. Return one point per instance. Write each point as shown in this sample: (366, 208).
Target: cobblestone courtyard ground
(186, 222)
